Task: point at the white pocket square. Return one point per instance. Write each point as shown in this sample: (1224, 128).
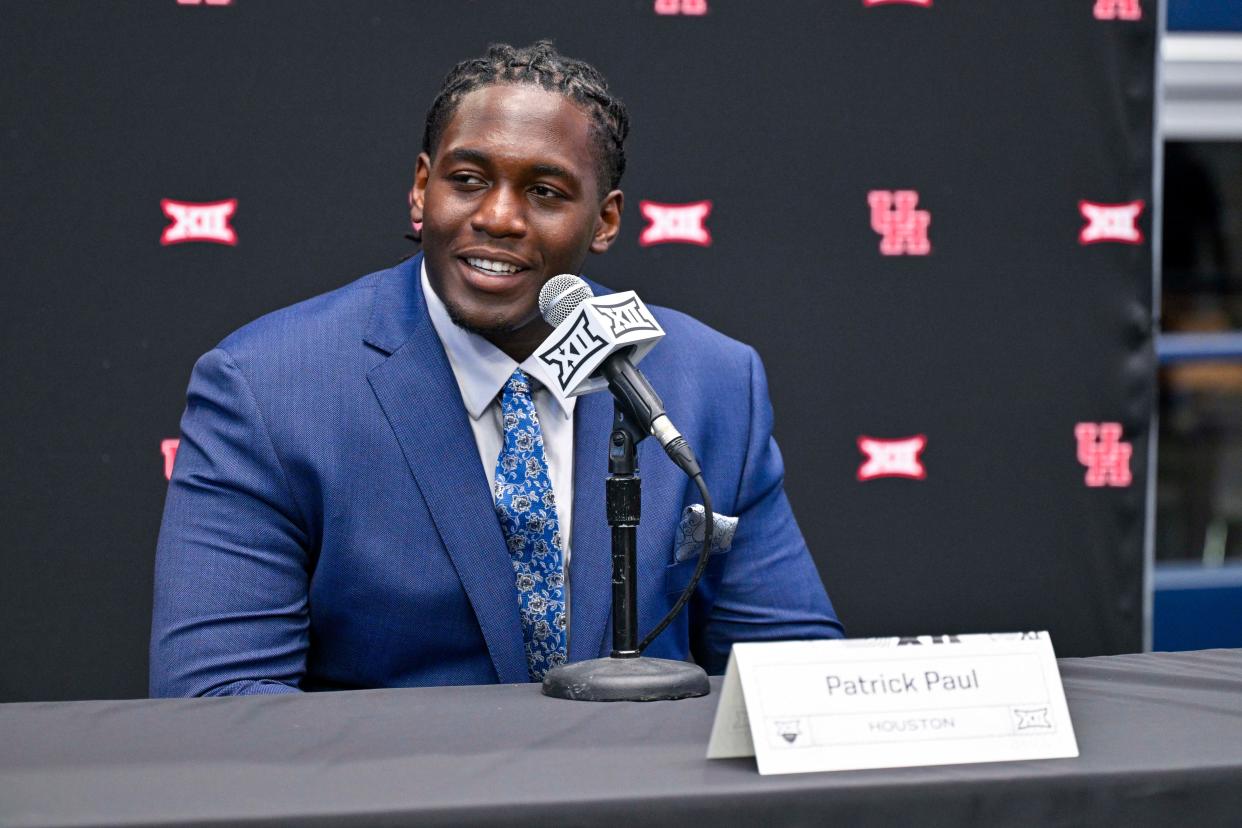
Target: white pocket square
(690, 533)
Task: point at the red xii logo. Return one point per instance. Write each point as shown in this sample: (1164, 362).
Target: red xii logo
(1111, 222)
(199, 222)
(168, 448)
(675, 223)
(1117, 10)
(902, 228)
(1107, 458)
(892, 458)
(688, 7)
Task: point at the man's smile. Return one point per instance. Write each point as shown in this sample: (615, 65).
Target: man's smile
(490, 266)
(493, 272)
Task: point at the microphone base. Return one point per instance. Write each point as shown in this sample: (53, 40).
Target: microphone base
(627, 679)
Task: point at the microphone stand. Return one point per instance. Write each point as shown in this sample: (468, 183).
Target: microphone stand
(626, 675)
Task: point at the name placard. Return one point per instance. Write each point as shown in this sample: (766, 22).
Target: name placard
(799, 706)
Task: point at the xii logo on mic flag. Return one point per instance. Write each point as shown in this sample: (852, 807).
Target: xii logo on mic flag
(598, 328)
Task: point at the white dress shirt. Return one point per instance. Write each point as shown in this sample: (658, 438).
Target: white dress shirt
(481, 370)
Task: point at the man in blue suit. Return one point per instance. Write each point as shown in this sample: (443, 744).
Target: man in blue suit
(331, 521)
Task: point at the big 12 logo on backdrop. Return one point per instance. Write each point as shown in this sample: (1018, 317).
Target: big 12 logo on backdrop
(682, 223)
(199, 221)
(168, 448)
(892, 458)
(690, 8)
(1110, 222)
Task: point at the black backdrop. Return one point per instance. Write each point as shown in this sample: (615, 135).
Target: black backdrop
(785, 114)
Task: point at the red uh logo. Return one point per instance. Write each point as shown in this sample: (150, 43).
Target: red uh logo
(689, 7)
(1117, 10)
(1111, 222)
(892, 458)
(1107, 458)
(675, 223)
(199, 222)
(204, 2)
(902, 228)
(923, 3)
(168, 448)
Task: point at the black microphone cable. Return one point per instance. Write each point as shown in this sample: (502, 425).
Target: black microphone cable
(699, 569)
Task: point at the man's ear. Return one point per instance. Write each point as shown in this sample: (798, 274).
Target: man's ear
(418, 191)
(608, 222)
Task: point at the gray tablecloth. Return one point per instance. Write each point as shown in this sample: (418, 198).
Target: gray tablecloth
(1160, 739)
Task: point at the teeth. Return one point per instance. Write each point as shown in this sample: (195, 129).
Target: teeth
(493, 267)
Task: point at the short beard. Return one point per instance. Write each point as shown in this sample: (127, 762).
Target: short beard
(498, 328)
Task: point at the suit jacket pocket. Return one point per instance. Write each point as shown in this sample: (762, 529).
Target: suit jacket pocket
(677, 574)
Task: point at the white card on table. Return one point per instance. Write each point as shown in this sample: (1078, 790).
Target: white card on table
(800, 706)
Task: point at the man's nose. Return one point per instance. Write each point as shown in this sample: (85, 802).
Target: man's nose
(500, 213)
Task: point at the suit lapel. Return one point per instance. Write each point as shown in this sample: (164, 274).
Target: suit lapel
(416, 388)
(590, 569)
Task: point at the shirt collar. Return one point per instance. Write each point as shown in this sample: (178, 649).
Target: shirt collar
(480, 367)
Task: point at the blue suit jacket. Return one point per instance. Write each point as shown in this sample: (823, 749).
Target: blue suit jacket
(328, 524)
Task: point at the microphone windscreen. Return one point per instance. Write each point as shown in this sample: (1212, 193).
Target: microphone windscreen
(561, 296)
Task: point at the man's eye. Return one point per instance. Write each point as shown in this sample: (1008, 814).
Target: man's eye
(469, 179)
(544, 191)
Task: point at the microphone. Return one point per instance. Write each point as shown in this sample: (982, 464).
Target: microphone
(597, 341)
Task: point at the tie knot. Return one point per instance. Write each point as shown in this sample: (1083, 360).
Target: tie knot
(518, 383)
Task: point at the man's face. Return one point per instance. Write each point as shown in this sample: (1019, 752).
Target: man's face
(511, 200)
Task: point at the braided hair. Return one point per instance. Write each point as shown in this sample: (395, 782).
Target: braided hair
(541, 65)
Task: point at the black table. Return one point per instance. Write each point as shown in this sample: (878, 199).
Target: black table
(1160, 739)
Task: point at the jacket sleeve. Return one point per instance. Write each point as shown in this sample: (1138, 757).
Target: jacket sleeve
(770, 589)
(231, 572)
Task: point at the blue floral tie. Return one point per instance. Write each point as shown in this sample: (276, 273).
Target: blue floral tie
(526, 507)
